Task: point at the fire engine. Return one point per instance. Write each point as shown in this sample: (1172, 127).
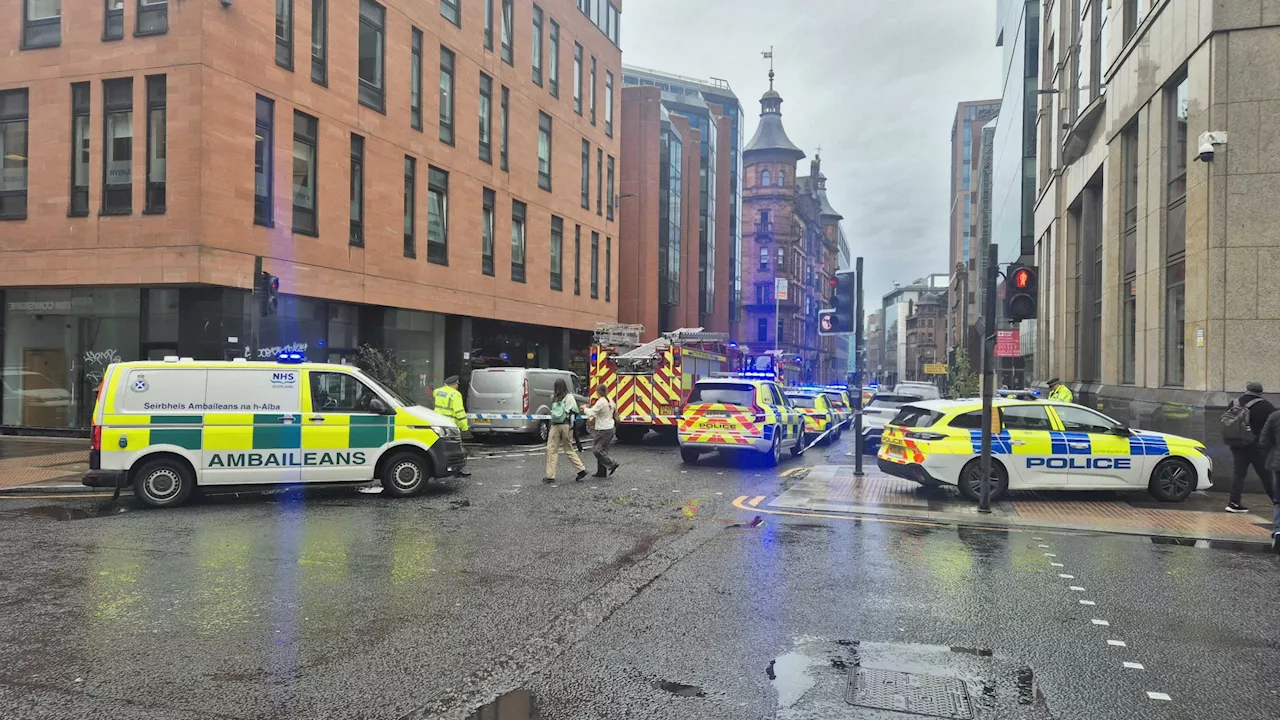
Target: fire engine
(650, 382)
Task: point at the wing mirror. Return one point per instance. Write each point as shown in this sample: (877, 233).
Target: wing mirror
(1122, 431)
(377, 405)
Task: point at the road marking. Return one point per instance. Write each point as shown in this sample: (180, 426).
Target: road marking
(1065, 576)
(1134, 666)
(1076, 588)
(1043, 546)
(1117, 643)
(720, 493)
(755, 501)
(1158, 696)
(1037, 538)
(1050, 555)
(1057, 564)
(54, 497)
(1096, 621)
(1088, 602)
(741, 504)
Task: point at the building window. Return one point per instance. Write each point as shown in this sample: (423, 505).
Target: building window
(508, 32)
(113, 22)
(437, 216)
(782, 178)
(599, 181)
(608, 269)
(117, 169)
(157, 144)
(614, 24)
(284, 34)
(592, 93)
(1134, 11)
(79, 148)
(1128, 260)
(517, 240)
(410, 199)
(577, 259)
(762, 294)
(305, 135)
(544, 151)
(536, 47)
(577, 78)
(781, 257)
(506, 117)
(608, 103)
(357, 190)
(612, 198)
(1100, 28)
(451, 12)
(320, 41)
(13, 154)
(762, 330)
(764, 258)
(557, 253)
(586, 174)
(263, 207)
(153, 17)
(488, 24)
(765, 178)
(595, 265)
(415, 81)
(1176, 234)
(486, 118)
(41, 24)
(487, 233)
(446, 95)
(553, 61)
(372, 92)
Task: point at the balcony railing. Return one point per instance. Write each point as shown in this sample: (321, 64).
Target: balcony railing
(764, 231)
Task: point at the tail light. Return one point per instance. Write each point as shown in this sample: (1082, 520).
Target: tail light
(526, 395)
(759, 413)
(95, 438)
(925, 436)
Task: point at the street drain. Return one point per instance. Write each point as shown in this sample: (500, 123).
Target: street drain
(927, 695)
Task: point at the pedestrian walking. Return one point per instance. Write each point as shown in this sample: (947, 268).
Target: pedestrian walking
(602, 415)
(1242, 424)
(560, 436)
(1060, 392)
(1269, 443)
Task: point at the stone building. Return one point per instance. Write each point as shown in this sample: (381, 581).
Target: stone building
(926, 335)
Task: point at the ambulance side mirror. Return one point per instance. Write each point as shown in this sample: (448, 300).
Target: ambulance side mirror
(378, 406)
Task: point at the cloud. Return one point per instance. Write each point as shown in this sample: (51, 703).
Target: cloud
(874, 84)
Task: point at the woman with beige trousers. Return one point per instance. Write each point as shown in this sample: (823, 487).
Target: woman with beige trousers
(564, 407)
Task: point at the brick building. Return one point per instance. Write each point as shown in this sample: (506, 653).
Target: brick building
(793, 238)
(433, 178)
(926, 335)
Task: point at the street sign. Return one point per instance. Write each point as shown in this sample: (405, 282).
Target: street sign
(780, 288)
(1008, 343)
(826, 322)
(935, 369)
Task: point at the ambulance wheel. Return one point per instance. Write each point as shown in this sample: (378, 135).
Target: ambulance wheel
(1172, 480)
(970, 480)
(164, 482)
(689, 455)
(405, 474)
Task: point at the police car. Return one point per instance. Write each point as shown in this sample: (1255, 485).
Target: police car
(740, 413)
(165, 428)
(821, 418)
(1039, 445)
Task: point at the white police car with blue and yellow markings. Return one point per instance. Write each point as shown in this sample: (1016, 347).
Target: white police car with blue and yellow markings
(1039, 445)
(167, 427)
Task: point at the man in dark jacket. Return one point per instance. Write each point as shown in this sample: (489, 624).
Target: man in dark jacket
(1260, 409)
(1269, 443)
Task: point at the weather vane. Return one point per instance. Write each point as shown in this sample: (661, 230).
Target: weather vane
(768, 55)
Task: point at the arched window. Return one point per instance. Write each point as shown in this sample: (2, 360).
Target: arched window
(764, 177)
(782, 178)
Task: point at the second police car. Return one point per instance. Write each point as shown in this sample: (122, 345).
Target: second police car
(1039, 445)
(734, 413)
(821, 418)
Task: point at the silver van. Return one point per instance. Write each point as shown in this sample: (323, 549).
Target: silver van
(516, 391)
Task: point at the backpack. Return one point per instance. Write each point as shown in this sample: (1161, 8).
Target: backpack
(1235, 424)
(560, 411)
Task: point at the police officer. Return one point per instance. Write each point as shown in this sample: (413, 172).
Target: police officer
(449, 404)
(1060, 392)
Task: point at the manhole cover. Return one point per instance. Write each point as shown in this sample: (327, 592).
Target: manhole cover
(928, 695)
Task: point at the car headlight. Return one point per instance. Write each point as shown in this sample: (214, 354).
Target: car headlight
(448, 432)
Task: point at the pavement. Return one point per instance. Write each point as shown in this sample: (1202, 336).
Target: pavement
(653, 595)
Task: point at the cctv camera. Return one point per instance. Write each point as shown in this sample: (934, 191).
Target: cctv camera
(1206, 152)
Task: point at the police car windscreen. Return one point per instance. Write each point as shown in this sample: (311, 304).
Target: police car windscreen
(913, 416)
(803, 401)
(497, 381)
(892, 401)
(724, 393)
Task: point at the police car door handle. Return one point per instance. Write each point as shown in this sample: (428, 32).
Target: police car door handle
(1078, 445)
(1017, 442)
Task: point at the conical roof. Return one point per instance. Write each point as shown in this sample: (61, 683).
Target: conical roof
(770, 135)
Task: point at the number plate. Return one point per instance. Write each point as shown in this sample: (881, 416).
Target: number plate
(665, 410)
(481, 421)
(716, 413)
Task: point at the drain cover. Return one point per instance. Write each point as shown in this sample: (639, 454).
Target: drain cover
(928, 695)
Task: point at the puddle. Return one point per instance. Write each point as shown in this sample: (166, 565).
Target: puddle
(515, 705)
(61, 512)
(790, 676)
(1261, 548)
(679, 689)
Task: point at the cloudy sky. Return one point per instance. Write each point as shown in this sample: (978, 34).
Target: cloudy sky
(875, 84)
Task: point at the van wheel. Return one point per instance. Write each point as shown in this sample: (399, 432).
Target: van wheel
(405, 474)
(163, 482)
(689, 455)
(970, 480)
(544, 431)
(1172, 480)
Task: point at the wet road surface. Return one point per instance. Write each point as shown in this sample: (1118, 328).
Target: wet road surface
(645, 596)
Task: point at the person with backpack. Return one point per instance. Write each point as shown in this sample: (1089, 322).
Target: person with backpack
(1241, 425)
(1269, 443)
(560, 435)
(602, 415)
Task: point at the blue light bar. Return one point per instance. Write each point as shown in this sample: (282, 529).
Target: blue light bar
(291, 357)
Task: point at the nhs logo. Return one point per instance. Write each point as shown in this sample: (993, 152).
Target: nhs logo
(284, 379)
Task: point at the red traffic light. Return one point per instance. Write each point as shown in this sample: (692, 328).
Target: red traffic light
(833, 282)
(1022, 278)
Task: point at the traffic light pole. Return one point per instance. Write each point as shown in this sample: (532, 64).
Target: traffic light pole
(857, 369)
(988, 377)
(255, 308)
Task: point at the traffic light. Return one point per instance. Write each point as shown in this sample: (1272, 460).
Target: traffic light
(842, 291)
(268, 293)
(1022, 292)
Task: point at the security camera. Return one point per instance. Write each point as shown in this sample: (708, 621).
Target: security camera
(1206, 152)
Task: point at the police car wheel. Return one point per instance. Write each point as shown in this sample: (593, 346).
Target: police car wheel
(405, 474)
(1172, 480)
(970, 480)
(163, 483)
(689, 455)
(773, 455)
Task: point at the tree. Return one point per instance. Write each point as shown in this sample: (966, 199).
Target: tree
(383, 366)
(964, 381)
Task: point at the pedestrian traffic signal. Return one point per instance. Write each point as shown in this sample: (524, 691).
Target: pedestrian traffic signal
(842, 301)
(1022, 292)
(268, 291)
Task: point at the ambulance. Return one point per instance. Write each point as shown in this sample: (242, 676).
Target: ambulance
(167, 428)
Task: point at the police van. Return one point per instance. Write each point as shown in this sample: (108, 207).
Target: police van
(1039, 445)
(166, 428)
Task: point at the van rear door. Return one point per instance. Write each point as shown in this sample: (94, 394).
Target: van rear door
(499, 391)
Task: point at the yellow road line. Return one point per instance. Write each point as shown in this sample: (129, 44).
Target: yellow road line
(53, 497)
(755, 500)
(741, 501)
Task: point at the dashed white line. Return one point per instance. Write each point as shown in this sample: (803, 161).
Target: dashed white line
(1065, 576)
(1096, 621)
(1088, 602)
(1158, 696)
(1117, 643)
(1050, 555)
(1043, 546)
(1133, 666)
(1076, 588)
(1037, 538)
(1057, 564)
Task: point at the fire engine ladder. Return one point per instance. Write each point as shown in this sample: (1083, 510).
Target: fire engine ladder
(618, 335)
